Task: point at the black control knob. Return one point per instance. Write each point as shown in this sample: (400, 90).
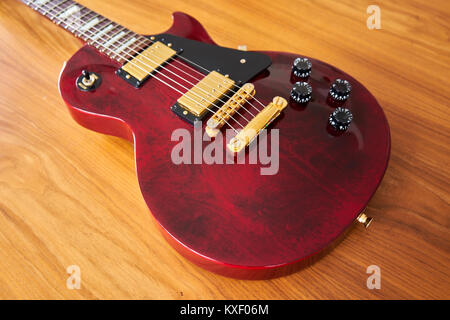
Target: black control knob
(340, 90)
(301, 92)
(340, 119)
(301, 67)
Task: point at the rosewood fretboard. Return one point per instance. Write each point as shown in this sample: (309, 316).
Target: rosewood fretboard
(107, 36)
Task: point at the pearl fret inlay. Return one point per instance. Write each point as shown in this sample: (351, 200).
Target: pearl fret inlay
(102, 32)
(114, 39)
(68, 12)
(126, 44)
(90, 24)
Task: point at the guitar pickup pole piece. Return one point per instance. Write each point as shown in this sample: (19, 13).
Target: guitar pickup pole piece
(205, 93)
(137, 70)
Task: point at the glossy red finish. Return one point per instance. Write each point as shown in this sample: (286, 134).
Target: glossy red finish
(230, 219)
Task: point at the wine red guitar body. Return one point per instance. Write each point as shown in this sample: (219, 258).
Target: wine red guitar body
(230, 219)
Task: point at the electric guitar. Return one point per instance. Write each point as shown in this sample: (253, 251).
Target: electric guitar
(253, 163)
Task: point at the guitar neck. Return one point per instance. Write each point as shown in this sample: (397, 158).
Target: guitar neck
(107, 36)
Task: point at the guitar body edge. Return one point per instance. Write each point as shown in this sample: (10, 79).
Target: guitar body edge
(114, 113)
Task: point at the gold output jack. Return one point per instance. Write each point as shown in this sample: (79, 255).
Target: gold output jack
(364, 219)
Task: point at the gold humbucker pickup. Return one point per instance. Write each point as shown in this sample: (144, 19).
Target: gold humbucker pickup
(142, 65)
(205, 93)
(258, 123)
(226, 111)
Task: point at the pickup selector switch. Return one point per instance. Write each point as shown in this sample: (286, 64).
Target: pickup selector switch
(301, 92)
(88, 81)
(340, 90)
(301, 67)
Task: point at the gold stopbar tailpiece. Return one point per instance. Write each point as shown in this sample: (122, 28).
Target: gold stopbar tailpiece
(219, 118)
(148, 60)
(205, 93)
(259, 122)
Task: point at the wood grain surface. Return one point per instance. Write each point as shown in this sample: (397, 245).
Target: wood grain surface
(69, 196)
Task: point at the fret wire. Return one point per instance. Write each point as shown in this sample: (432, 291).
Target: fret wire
(129, 48)
(127, 36)
(109, 34)
(75, 21)
(57, 10)
(140, 45)
(101, 28)
(75, 24)
(114, 30)
(101, 25)
(100, 33)
(112, 35)
(142, 42)
(31, 2)
(91, 19)
(98, 23)
(124, 39)
(69, 23)
(115, 39)
(45, 12)
(61, 20)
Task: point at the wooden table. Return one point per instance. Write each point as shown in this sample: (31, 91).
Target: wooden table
(69, 196)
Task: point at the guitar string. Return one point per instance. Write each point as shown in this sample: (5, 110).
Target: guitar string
(188, 74)
(184, 79)
(101, 45)
(115, 53)
(183, 58)
(187, 60)
(200, 96)
(175, 89)
(121, 28)
(193, 69)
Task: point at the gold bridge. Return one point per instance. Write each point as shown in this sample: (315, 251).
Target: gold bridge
(258, 123)
(205, 93)
(221, 116)
(147, 61)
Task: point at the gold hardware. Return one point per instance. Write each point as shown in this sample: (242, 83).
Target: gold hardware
(259, 122)
(205, 93)
(148, 60)
(91, 81)
(219, 118)
(364, 219)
